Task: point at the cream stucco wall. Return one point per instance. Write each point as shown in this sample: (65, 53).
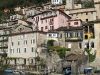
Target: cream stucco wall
(83, 14)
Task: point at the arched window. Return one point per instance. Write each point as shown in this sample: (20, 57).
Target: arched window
(92, 44)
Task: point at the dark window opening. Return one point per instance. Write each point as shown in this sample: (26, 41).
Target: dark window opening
(69, 23)
(25, 61)
(86, 36)
(75, 23)
(46, 27)
(92, 44)
(50, 35)
(88, 45)
(86, 20)
(60, 35)
(80, 45)
(86, 13)
(41, 28)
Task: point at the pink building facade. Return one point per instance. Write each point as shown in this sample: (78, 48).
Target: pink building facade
(52, 19)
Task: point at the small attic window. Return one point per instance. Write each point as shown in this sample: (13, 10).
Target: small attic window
(20, 29)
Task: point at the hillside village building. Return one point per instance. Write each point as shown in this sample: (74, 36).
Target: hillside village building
(4, 32)
(68, 24)
(85, 14)
(68, 36)
(24, 45)
(71, 37)
(52, 19)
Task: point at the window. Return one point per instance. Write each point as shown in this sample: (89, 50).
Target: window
(87, 46)
(86, 36)
(25, 61)
(31, 60)
(80, 45)
(50, 35)
(51, 21)
(69, 23)
(51, 27)
(19, 50)
(75, 34)
(25, 42)
(24, 50)
(20, 29)
(86, 13)
(86, 20)
(46, 27)
(46, 20)
(55, 35)
(60, 35)
(32, 41)
(32, 49)
(41, 28)
(92, 44)
(75, 23)
(12, 43)
(71, 35)
(67, 35)
(18, 43)
(91, 12)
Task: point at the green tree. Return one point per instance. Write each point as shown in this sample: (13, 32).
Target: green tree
(50, 43)
(61, 51)
(88, 4)
(91, 56)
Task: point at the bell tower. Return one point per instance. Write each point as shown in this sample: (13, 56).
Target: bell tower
(97, 7)
(69, 4)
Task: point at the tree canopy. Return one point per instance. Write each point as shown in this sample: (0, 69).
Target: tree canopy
(14, 3)
(88, 4)
(90, 55)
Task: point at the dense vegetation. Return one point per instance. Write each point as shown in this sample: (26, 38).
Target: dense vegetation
(90, 55)
(10, 4)
(14, 3)
(61, 51)
(88, 4)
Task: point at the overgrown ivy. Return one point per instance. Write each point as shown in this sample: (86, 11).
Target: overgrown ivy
(91, 56)
(88, 4)
(61, 51)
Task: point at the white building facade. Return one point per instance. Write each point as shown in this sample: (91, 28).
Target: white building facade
(24, 45)
(56, 2)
